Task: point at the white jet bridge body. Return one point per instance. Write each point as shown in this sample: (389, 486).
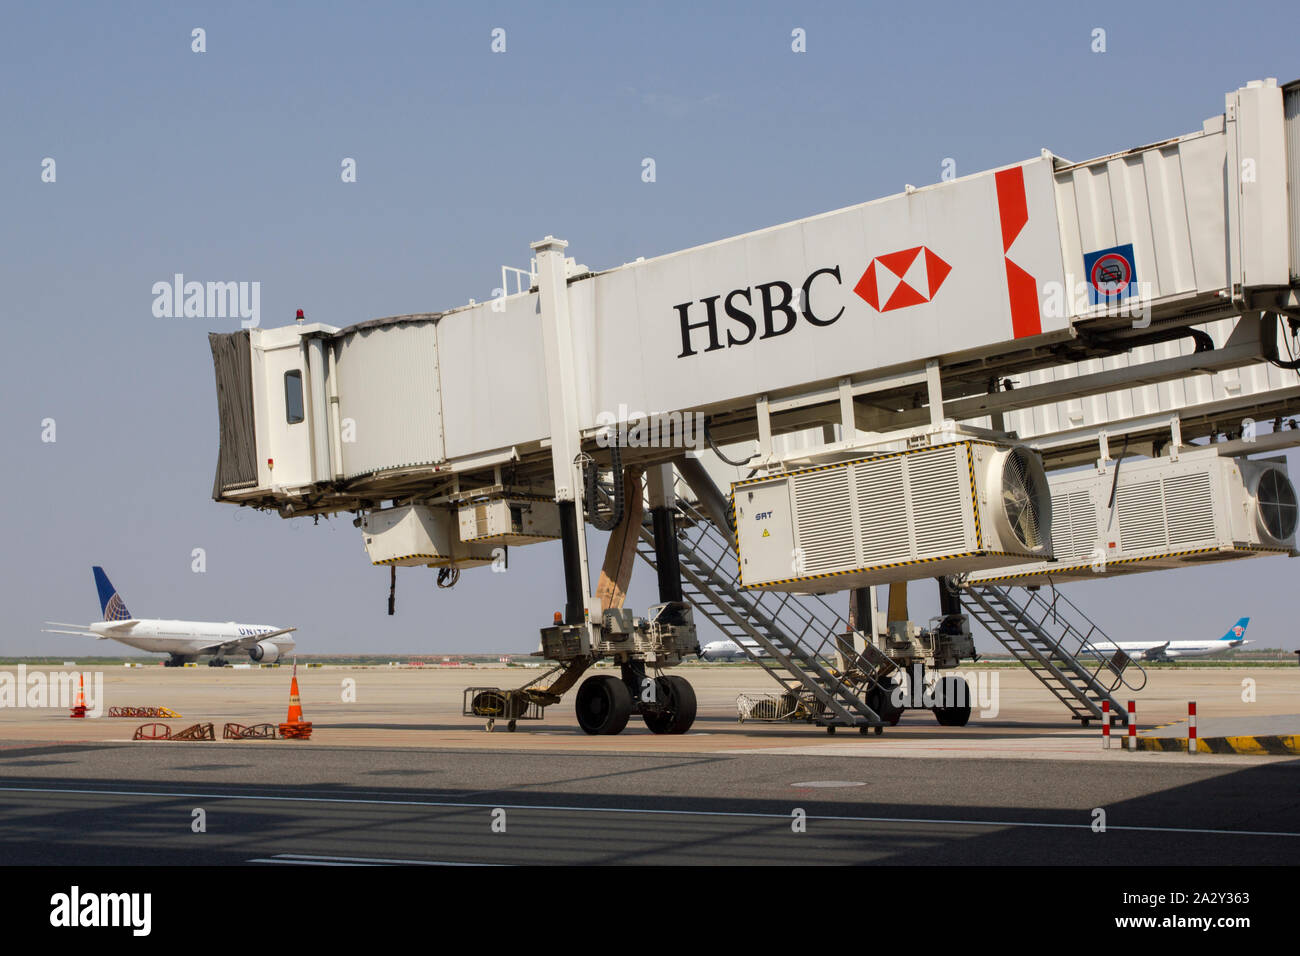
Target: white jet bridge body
(980, 277)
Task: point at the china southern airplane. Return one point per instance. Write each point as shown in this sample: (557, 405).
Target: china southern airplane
(184, 640)
(1169, 650)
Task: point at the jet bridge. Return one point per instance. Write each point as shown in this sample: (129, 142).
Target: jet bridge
(1039, 310)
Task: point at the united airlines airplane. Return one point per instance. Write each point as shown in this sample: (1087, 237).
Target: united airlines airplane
(1170, 650)
(185, 641)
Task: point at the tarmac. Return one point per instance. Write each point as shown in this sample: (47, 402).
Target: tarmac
(393, 774)
(1012, 714)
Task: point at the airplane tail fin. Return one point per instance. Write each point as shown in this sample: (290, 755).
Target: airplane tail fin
(110, 601)
(1238, 631)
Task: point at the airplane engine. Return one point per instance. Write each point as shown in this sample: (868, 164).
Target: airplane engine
(265, 652)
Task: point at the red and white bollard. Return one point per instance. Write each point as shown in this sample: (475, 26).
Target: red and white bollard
(1132, 725)
(1105, 725)
(1191, 727)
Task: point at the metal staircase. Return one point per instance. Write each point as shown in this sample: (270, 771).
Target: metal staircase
(1041, 635)
(801, 634)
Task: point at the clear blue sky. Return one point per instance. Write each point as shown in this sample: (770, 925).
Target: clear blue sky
(225, 166)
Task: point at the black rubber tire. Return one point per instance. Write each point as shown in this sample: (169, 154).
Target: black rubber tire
(679, 714)
(603, 705)
(948, 690)
(883, 704)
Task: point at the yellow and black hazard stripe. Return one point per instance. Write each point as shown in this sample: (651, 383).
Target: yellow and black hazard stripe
(735, 537)
(1068, 569)
(435, 560)
(974, 497)
(1257, 745)
(856, 461)
(883, 567)
(532, 538)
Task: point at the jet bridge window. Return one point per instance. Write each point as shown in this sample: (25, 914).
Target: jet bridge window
(293, 409)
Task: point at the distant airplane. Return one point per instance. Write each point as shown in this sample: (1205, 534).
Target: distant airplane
(729, 651)
(185, 641)
(1169, 650)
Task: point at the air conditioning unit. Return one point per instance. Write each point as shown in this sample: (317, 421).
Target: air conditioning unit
(1164, 513)
(510, 521)
(947, 509)
(413, 535)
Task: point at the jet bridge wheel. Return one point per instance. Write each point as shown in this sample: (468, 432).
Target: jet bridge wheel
(881, 700)
(604, 705)
(952, 689)
(679, 710)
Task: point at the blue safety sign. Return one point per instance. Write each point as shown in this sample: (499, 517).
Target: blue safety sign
(1112, 275)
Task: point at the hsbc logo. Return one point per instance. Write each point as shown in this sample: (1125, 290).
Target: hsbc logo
(776, 306)
(764, 311)
(900, 279)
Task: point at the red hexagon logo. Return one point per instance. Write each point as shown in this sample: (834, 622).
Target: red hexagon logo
(898, 279)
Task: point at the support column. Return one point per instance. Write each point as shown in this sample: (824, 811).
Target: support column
(949, 603)
(934, 389)
(574, 578)
(566, 442)
(620, 552)
(663, 509)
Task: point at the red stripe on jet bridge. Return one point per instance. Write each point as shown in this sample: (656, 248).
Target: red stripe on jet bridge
(1013, 208)
(1022, 290)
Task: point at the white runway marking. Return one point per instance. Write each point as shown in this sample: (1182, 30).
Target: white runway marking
(308, 859)
(829, 783)
(738, 814)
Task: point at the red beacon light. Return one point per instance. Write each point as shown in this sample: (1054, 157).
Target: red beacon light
(300, 315)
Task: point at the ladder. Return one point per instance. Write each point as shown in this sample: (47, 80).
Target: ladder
(802, 635)
(1041, 635)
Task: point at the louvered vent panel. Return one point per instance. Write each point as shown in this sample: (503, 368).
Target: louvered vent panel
(1141, 516)
(1074, 526)
(882, 510)
(940, 488)
(821, 501)
(1189, 509)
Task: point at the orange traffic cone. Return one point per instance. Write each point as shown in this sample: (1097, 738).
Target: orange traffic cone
(79, 708)
(294, 726)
